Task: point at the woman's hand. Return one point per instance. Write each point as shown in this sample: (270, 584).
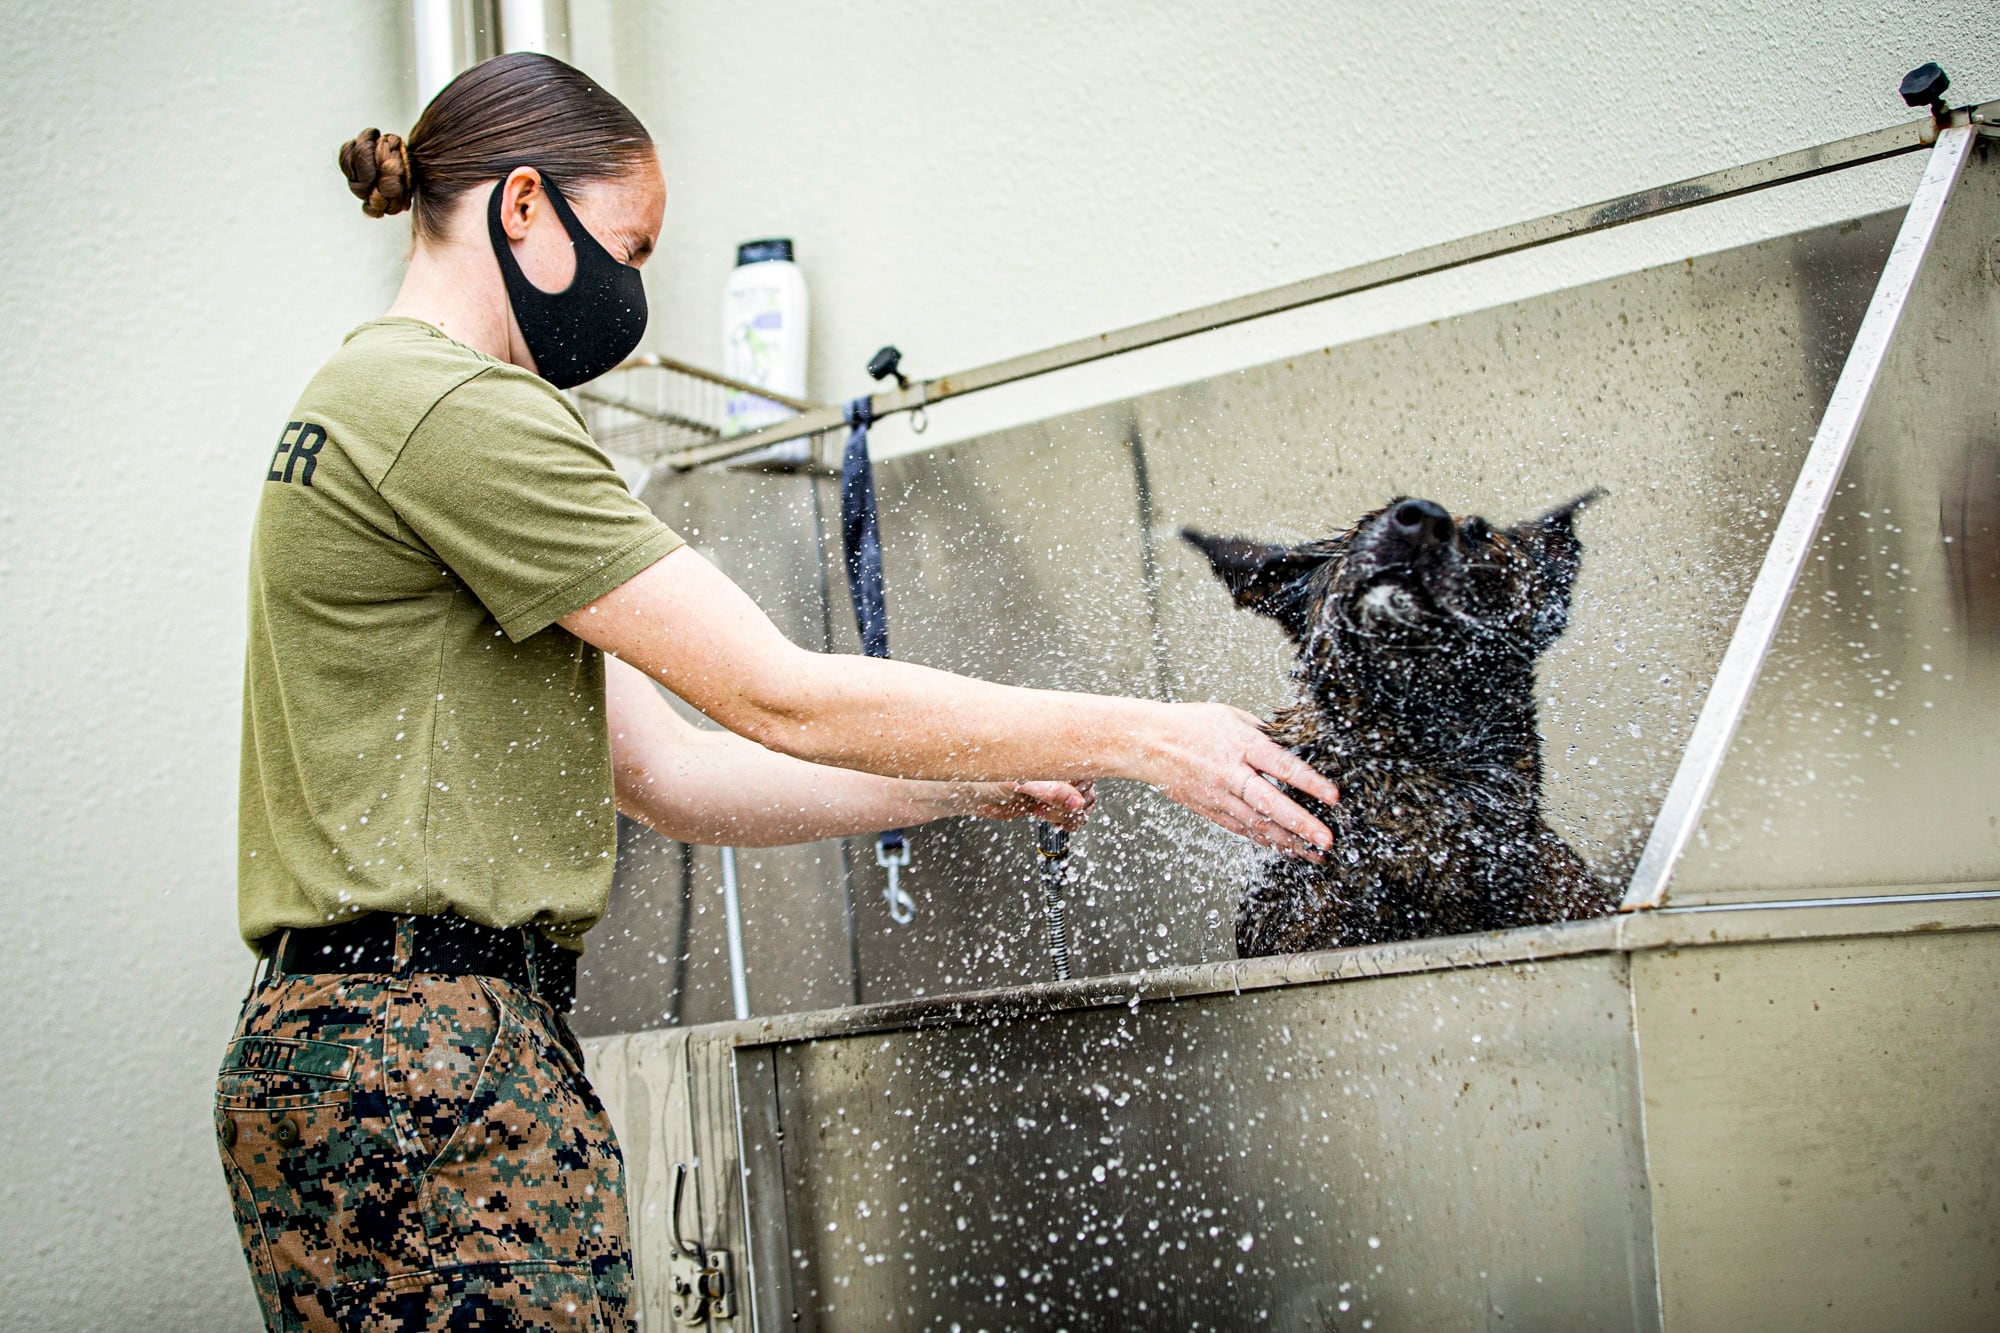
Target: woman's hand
(1217, 761)
(1059, 803)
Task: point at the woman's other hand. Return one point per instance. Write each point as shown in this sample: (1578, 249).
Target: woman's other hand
(1063, 804)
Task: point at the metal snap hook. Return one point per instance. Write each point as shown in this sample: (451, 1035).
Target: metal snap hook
(902, 907)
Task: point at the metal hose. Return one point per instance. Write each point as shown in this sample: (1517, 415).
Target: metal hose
(1052, 844)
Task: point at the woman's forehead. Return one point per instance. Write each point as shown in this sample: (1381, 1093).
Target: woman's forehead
(627, 208)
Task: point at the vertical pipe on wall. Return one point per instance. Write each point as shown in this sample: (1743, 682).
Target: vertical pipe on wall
(440, 48)
(732, 920)
(535, 25)
(451, 35)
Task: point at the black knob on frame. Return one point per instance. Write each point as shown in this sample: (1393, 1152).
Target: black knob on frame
(885, 363)
(1925, 85)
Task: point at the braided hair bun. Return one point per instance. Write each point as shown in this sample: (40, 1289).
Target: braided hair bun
(377, 167)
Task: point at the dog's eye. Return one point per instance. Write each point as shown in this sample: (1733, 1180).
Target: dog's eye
(1478, 530)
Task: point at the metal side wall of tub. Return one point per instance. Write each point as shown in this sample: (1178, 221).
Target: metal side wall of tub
(1696, 1119)
(1820, 1127)
(1049, 555)
(1304, 1157)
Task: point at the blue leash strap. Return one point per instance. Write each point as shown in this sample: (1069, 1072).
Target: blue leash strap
(861, 532)
(861, 545)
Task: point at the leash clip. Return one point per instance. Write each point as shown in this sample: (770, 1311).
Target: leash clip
(892, 859)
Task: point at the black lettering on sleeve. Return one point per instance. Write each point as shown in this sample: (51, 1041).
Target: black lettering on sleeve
(284, 443)
(306, 447)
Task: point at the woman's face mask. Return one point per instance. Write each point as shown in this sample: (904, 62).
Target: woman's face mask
(588, 327)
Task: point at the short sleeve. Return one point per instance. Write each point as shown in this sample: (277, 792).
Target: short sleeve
(503, 483)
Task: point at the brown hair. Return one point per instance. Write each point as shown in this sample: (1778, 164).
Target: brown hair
(524, 109)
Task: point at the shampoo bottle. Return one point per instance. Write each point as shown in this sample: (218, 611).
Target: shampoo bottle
(764, 313)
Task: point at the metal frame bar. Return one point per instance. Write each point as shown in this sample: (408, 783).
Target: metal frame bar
(1728, 183)
(1784, 559)
(1929, 909)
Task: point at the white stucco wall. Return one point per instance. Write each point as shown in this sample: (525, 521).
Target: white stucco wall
(178, 253)
(974, 181)
(967, 181)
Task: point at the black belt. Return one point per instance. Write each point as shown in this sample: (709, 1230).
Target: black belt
(450, 945)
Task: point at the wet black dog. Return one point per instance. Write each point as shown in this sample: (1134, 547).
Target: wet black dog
(1417, 635)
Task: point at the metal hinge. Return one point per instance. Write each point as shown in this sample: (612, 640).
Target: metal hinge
(702, 1281)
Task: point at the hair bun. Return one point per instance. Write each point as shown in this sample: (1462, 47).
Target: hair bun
(377, 167)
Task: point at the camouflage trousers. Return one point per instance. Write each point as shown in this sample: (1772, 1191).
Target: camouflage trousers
(420, 1152)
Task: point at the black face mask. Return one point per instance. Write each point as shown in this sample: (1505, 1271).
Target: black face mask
(591, 325)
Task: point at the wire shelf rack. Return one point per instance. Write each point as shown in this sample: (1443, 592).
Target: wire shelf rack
(649, 412)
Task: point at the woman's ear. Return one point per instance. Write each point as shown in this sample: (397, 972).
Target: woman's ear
(535, 231)
(522, 198)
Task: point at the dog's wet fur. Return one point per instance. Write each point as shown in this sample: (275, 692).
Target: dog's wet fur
(1417, 636)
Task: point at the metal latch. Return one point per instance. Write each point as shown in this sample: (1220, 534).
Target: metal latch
(703, 1287)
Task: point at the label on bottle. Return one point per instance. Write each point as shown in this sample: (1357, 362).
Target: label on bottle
(753, 351)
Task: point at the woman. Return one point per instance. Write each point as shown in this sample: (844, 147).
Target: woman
(454, 608)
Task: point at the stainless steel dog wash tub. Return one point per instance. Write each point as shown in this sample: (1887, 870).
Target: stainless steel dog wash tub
(1765, 1095)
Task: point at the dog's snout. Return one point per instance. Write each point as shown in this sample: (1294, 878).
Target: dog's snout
(1422, 523)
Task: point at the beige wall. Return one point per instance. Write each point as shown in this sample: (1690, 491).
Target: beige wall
(968, 181)
(973, 181)
(179, 252)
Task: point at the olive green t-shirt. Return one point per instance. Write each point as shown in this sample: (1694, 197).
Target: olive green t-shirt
(418, 734)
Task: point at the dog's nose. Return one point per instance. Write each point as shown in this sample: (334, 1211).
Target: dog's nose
(1421, 523)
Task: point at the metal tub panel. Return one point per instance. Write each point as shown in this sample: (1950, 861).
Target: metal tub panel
(1439, 1149)
(794, 932)
(1690, 392)
(1869, 751)
(629, 979)
(759, 528)
(1019, 559)
(1820, 1122)
(673, 1099)
(643, 1081)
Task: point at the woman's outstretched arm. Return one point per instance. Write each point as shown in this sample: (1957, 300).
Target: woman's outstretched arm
(718, 789)
(683, 623)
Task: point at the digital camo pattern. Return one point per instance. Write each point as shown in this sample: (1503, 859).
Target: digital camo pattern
(420, 1153)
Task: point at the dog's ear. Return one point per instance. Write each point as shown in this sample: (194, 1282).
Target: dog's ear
(1552, 541)
(1262, 577)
